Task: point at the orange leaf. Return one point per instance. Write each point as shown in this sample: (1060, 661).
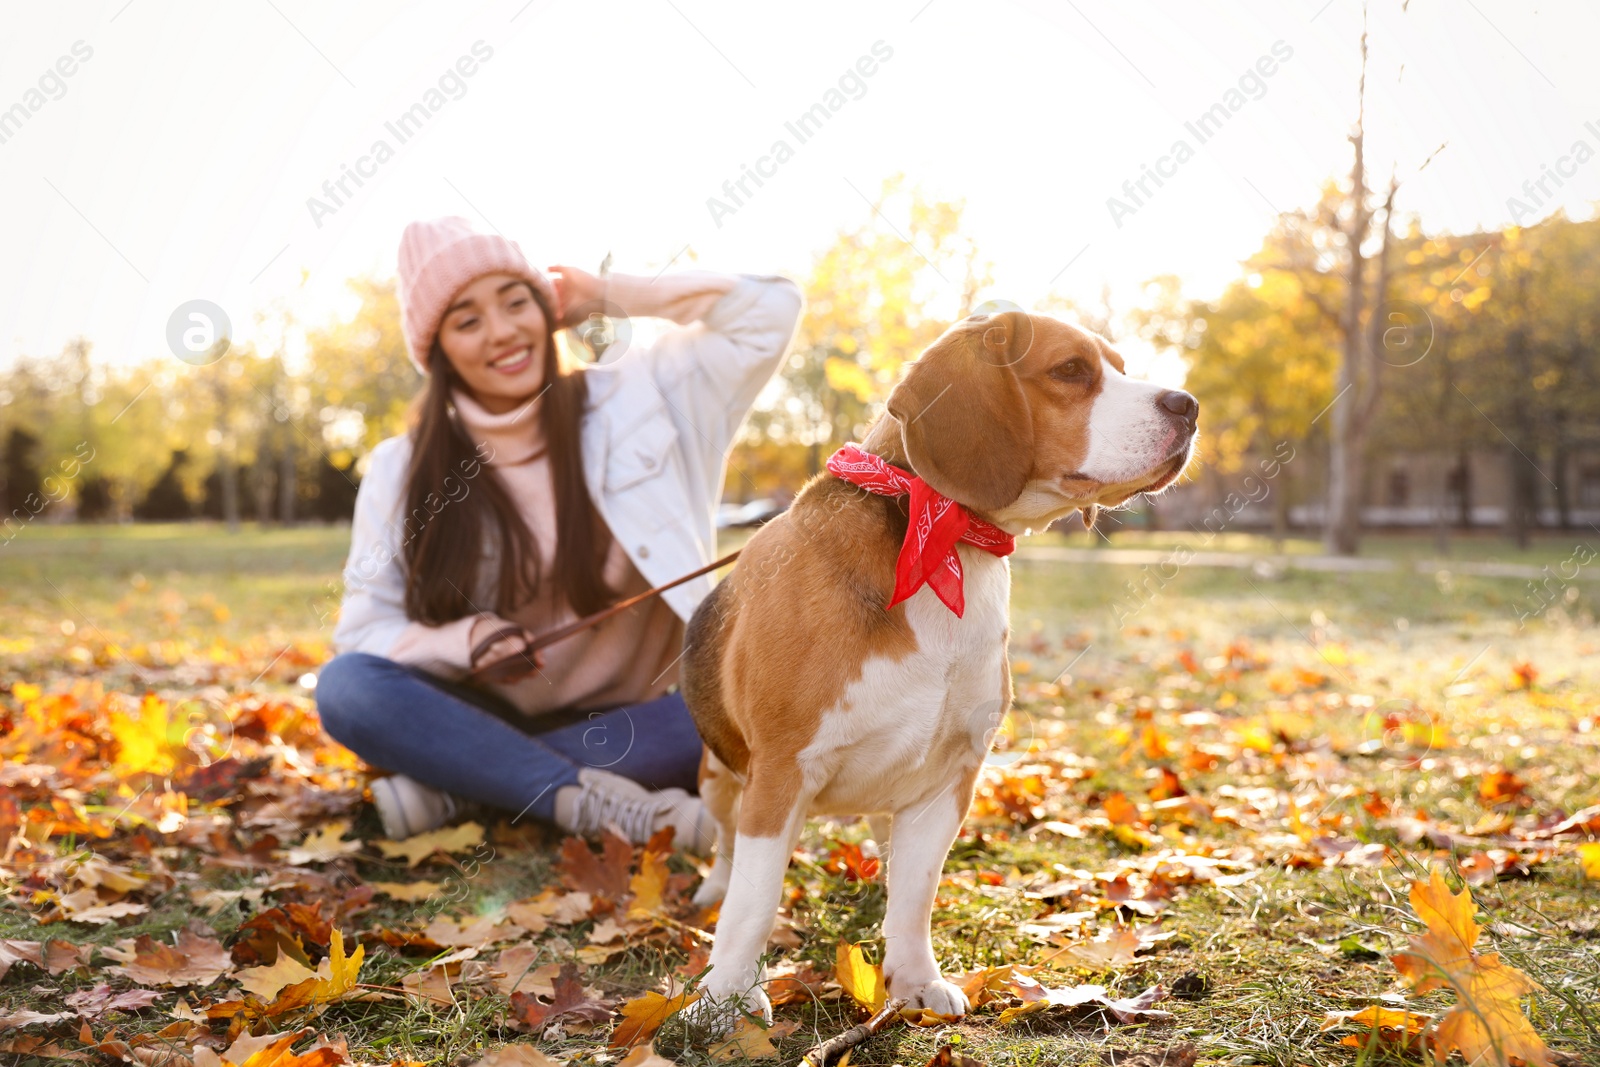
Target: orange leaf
(847, 859)
(1120, 810)
(643, 1016)
(1486, 1024)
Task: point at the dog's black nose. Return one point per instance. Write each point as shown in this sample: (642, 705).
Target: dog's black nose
(1182, 405)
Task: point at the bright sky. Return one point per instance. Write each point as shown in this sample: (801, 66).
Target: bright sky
(176, 160)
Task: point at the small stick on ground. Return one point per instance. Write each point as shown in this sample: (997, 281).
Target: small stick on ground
(821, 1054)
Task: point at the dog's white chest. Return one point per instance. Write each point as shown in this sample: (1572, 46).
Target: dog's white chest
(908, 728)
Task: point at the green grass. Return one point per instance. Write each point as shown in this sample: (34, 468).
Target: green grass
(1319, 659)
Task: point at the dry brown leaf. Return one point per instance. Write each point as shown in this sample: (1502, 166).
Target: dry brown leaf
(61, 956)
(570, 1001)
(1108, 951)
(947, 1056)
(550, 908)
(1182, 1054)
(605, 875)
(801, 985)
(471, 932)
(195, 960)
(988, 983)
(85, 906)
(14, 951)
(517, 1056)
(513, 972)
(288, 928)
(43, 1048)
(435, 983)
(98, 872)
(645, 1056)
(31, 1018)
(98, 1000)
(1127, 1009)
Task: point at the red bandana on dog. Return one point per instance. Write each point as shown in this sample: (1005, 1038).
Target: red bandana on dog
(937, 524)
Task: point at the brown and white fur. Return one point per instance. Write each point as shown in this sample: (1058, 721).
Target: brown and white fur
(814, 700)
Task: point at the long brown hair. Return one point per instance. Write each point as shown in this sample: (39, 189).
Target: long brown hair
(453, 499)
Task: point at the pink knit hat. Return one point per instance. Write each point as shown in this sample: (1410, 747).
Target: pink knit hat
(438, 258)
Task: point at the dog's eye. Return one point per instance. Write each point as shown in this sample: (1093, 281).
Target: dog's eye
(1073, 370)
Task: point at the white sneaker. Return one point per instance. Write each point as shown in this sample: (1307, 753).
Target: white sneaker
(407, 807)
(604, 799)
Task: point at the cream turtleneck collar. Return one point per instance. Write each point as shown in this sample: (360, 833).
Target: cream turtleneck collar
(516, 437)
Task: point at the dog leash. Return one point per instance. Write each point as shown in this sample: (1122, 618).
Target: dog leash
(561, 633)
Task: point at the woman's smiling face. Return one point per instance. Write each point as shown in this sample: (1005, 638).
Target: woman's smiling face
(494, 335)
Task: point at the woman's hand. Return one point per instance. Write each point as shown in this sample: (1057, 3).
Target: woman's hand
(506, 659)
(578, 290)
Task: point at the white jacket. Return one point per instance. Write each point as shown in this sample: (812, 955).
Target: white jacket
(655, 437)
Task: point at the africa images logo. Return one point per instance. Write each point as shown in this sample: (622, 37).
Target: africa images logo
(1205, 126)
(804, 127)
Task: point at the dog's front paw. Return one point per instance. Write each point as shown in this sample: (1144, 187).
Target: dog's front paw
(715, 887)
(717, 1011)
(937, 995)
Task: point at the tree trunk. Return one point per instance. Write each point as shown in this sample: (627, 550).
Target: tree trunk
(263, 480)
(1342, 533)
(288, 487)
(1280, 511)
(229, 453)
(1563, 483)
(230, 491)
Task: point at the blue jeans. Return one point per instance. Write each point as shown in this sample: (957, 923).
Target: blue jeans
(475, 745)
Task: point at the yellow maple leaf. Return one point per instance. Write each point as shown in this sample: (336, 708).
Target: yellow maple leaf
(408, 891)
(268, 981)
(1486, 1024)
(648, 885)
(320, 846)
(1589, 860)
(749, 1041)
(863, 981)
(420, 846)
(335, 979)
(144, 738)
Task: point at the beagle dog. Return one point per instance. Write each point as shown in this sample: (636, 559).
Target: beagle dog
(825, 681)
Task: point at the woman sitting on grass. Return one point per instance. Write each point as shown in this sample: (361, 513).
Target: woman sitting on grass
(530, 491)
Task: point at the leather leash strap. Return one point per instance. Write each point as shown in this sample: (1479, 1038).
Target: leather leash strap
(561, 633)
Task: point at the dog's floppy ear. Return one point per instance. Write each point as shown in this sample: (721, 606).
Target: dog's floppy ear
(964, 416)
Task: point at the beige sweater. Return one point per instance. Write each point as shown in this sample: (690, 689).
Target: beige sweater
(629, 658)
